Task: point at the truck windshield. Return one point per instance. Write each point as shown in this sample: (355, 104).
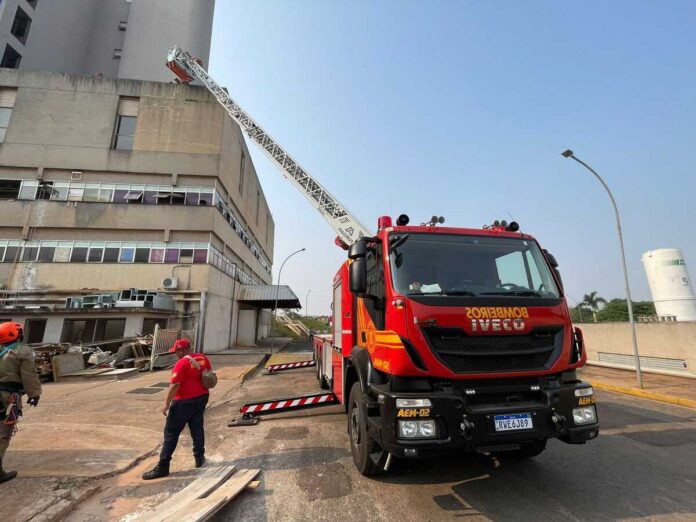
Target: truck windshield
(448, 264)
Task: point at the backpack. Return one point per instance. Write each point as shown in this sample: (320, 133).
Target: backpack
(208, 377)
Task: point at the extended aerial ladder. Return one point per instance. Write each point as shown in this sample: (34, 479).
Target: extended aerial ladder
(347, 226)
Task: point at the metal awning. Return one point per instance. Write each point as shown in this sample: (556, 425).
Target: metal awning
(264, 296)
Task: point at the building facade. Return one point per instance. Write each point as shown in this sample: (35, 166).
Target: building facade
(111, 38)
(113, 184)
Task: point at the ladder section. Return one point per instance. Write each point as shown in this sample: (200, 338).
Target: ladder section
(348, 228)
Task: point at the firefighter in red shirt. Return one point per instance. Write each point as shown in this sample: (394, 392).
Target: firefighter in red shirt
(185, 404)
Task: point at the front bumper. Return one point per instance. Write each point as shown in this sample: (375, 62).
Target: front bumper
(465, 420)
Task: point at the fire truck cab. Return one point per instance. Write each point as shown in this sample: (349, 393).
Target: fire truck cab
(453, 338)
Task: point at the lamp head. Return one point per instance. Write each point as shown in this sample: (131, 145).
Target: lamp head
(567, 153)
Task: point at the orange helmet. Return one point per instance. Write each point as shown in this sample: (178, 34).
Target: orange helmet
(10, 332)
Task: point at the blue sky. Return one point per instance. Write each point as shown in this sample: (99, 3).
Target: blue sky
(461, 109)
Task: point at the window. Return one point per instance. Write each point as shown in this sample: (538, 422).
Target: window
(60, 191)
(111, 255)
(127, 255)
(134, 196)
(9, 188)
(93, 330)
(242, 168)
(10, 58)
(122, 25)
(149, 325)
(95, 255)
(186, 255)
(258, 205)
(28, 190)
(126, 123)
(11, 254)
(45, 190)
(79, 255)
(125, 132)
(157, 255)
(117, 54)
(62, 254)
(7, 101)
(21, 25)
(34, 330)
(46, 254)
(30, 253)
(142, 255)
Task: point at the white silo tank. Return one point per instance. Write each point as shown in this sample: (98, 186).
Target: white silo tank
(670, 284)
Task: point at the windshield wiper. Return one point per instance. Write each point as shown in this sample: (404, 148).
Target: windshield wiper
(533, 293)
(446, 292)
(396, 242)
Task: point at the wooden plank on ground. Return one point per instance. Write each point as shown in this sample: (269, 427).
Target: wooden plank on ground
(204, 508)
(202, 486)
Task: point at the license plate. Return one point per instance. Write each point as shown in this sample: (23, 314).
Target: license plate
(513, 422)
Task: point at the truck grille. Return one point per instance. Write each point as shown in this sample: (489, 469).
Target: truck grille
(464, 353)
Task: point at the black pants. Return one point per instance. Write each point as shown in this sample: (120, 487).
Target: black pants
(181, 413)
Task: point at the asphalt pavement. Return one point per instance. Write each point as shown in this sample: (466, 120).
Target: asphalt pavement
(643, 465)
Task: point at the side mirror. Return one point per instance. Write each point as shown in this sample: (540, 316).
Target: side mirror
(551, 258)
(358, 275)
(358, 249)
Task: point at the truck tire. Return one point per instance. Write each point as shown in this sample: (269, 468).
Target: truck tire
(323, 383)
(525, 452)
(361, 444)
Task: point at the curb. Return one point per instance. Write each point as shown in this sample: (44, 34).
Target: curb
(688, 403)
(253, 369)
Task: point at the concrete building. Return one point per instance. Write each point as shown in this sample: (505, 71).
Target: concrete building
(113, 38)
(112, 184)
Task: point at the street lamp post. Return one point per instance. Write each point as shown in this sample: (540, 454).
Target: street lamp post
(306, 311)
(275, 306)
(569, 154)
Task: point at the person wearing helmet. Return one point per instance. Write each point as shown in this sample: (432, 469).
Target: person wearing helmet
(17, 376)
(185, 405)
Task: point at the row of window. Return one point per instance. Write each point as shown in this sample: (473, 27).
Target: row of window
(20, 30)
(129, 194)
(15, 251)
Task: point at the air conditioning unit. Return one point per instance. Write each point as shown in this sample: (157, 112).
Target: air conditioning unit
(170, 283)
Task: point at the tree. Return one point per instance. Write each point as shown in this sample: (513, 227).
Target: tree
(593, 302)
(616, 310)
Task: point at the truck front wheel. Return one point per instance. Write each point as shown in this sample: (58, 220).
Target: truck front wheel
(361, 444)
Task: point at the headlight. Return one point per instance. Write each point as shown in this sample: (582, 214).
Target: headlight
(584, 392)
(421, 429)
(584, 415)
(413, 403)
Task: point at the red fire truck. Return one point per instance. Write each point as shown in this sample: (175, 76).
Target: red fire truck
(443, 338)
(447, 338)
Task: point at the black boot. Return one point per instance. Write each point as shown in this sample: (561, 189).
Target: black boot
(6, 476)
(159, 471)
(200, 460)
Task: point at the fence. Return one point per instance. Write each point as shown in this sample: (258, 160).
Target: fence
(164, 339)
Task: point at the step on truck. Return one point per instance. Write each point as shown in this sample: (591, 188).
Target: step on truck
(443, 338)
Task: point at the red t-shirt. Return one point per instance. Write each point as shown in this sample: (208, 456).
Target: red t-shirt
(189, 378)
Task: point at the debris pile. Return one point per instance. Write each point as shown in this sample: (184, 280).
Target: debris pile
(132, 352)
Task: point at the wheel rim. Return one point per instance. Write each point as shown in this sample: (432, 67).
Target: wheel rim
(355, 425)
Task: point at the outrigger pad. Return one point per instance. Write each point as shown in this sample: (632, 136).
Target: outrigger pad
(242, 421)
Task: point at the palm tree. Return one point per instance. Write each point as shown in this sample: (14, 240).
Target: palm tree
(592, 301)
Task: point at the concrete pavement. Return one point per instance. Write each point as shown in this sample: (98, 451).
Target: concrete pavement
(84, 432)
(663, 388)
(641, 466)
